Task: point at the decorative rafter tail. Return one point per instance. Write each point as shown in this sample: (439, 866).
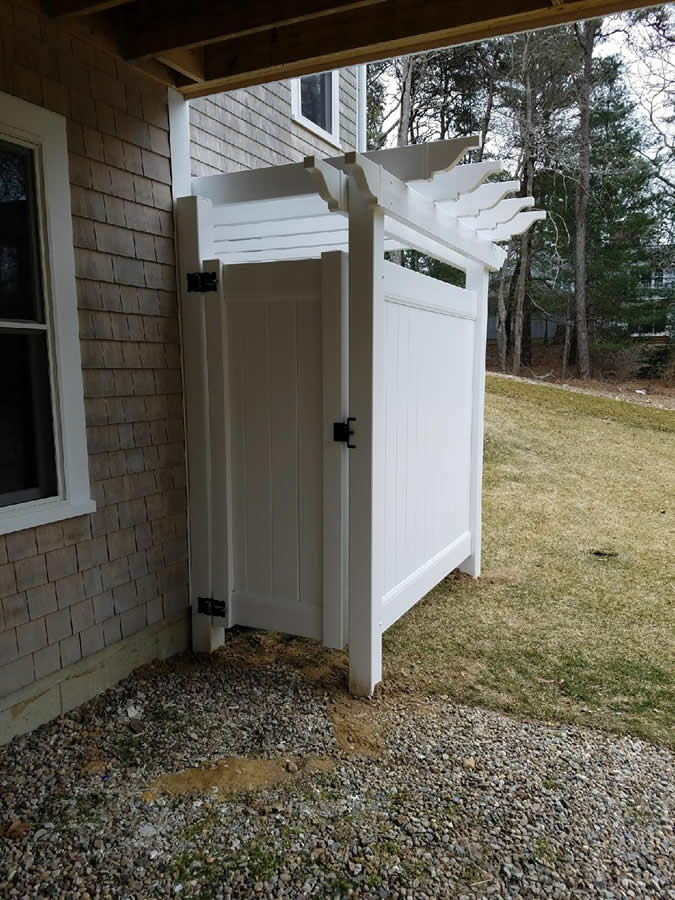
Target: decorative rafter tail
(486, 196)
(517, 225)
(500, 214)
(367, 175)
(329, 182)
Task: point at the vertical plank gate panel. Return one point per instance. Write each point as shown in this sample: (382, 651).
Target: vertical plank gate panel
(277, 333)
(255, 366)
(310, 447)
(283, 351)
(334, 333)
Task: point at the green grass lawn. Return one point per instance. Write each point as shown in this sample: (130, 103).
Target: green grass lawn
(573, 618)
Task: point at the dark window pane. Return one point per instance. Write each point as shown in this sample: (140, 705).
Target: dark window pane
(316, 99)
(27, 458)
(20, 281)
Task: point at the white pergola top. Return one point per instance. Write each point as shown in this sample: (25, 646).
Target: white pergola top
(429, 200)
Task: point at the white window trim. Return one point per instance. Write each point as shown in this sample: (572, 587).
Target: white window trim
(331, 137)
(45, 132)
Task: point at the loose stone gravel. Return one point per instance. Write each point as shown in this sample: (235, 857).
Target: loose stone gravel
(461, 803)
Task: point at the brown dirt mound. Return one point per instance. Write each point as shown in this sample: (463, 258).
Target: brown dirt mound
(235, 775)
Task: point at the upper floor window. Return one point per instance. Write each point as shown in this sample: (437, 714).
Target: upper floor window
(43, 455)
(315, 104)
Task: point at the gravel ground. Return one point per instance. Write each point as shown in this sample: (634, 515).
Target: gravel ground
(460, 803)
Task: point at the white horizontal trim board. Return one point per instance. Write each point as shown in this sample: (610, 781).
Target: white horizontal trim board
(317, 239)
(421, 291)
(290, 180)
(256, 212)
(294, 253)
(325, 223)
(406, 594)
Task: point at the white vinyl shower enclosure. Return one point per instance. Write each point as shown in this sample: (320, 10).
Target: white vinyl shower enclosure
(335, 400)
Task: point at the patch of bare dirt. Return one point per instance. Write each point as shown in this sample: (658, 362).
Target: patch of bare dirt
(503, 575)
(235, 775)
(326, 669)
(357, 729)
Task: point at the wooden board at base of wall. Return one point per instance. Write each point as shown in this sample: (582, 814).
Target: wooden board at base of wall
(50, 697)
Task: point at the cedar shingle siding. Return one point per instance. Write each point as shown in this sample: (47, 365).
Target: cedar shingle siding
(252, 127)
(69, 589)
(72, 588)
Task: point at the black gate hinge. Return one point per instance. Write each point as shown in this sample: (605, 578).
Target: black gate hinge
(342, 432)
(202, 282)
(207, 606)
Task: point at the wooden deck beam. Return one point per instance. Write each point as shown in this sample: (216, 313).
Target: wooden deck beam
(68, 9)
(156, 26)
(390, 28)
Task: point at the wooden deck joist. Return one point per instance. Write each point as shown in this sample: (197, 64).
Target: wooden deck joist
(203, 47)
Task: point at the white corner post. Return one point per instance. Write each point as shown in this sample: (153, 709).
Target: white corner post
(193, 227)
(366, 387)
(477, 280)
(179, 143)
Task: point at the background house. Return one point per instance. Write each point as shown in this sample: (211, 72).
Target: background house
(93, 519)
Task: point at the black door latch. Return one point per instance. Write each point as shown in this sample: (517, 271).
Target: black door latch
(342, 432)
(202, 282)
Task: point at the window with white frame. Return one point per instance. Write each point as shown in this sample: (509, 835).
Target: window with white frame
(43, 454)
(315, 104)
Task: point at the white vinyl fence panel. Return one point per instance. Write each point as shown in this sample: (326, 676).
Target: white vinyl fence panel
(428, 363)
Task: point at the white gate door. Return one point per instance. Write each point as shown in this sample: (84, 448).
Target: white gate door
(275, 339)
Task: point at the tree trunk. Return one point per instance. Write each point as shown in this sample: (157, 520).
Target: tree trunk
(522, 285)
(587, 40)
(526, 130)
(407, 65)
(567, 344)
(519, 309)
(501, 318)
(489, 103)
(526, 350)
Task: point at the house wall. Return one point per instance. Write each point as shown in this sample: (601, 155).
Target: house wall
(252, 127)
(72, 589)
